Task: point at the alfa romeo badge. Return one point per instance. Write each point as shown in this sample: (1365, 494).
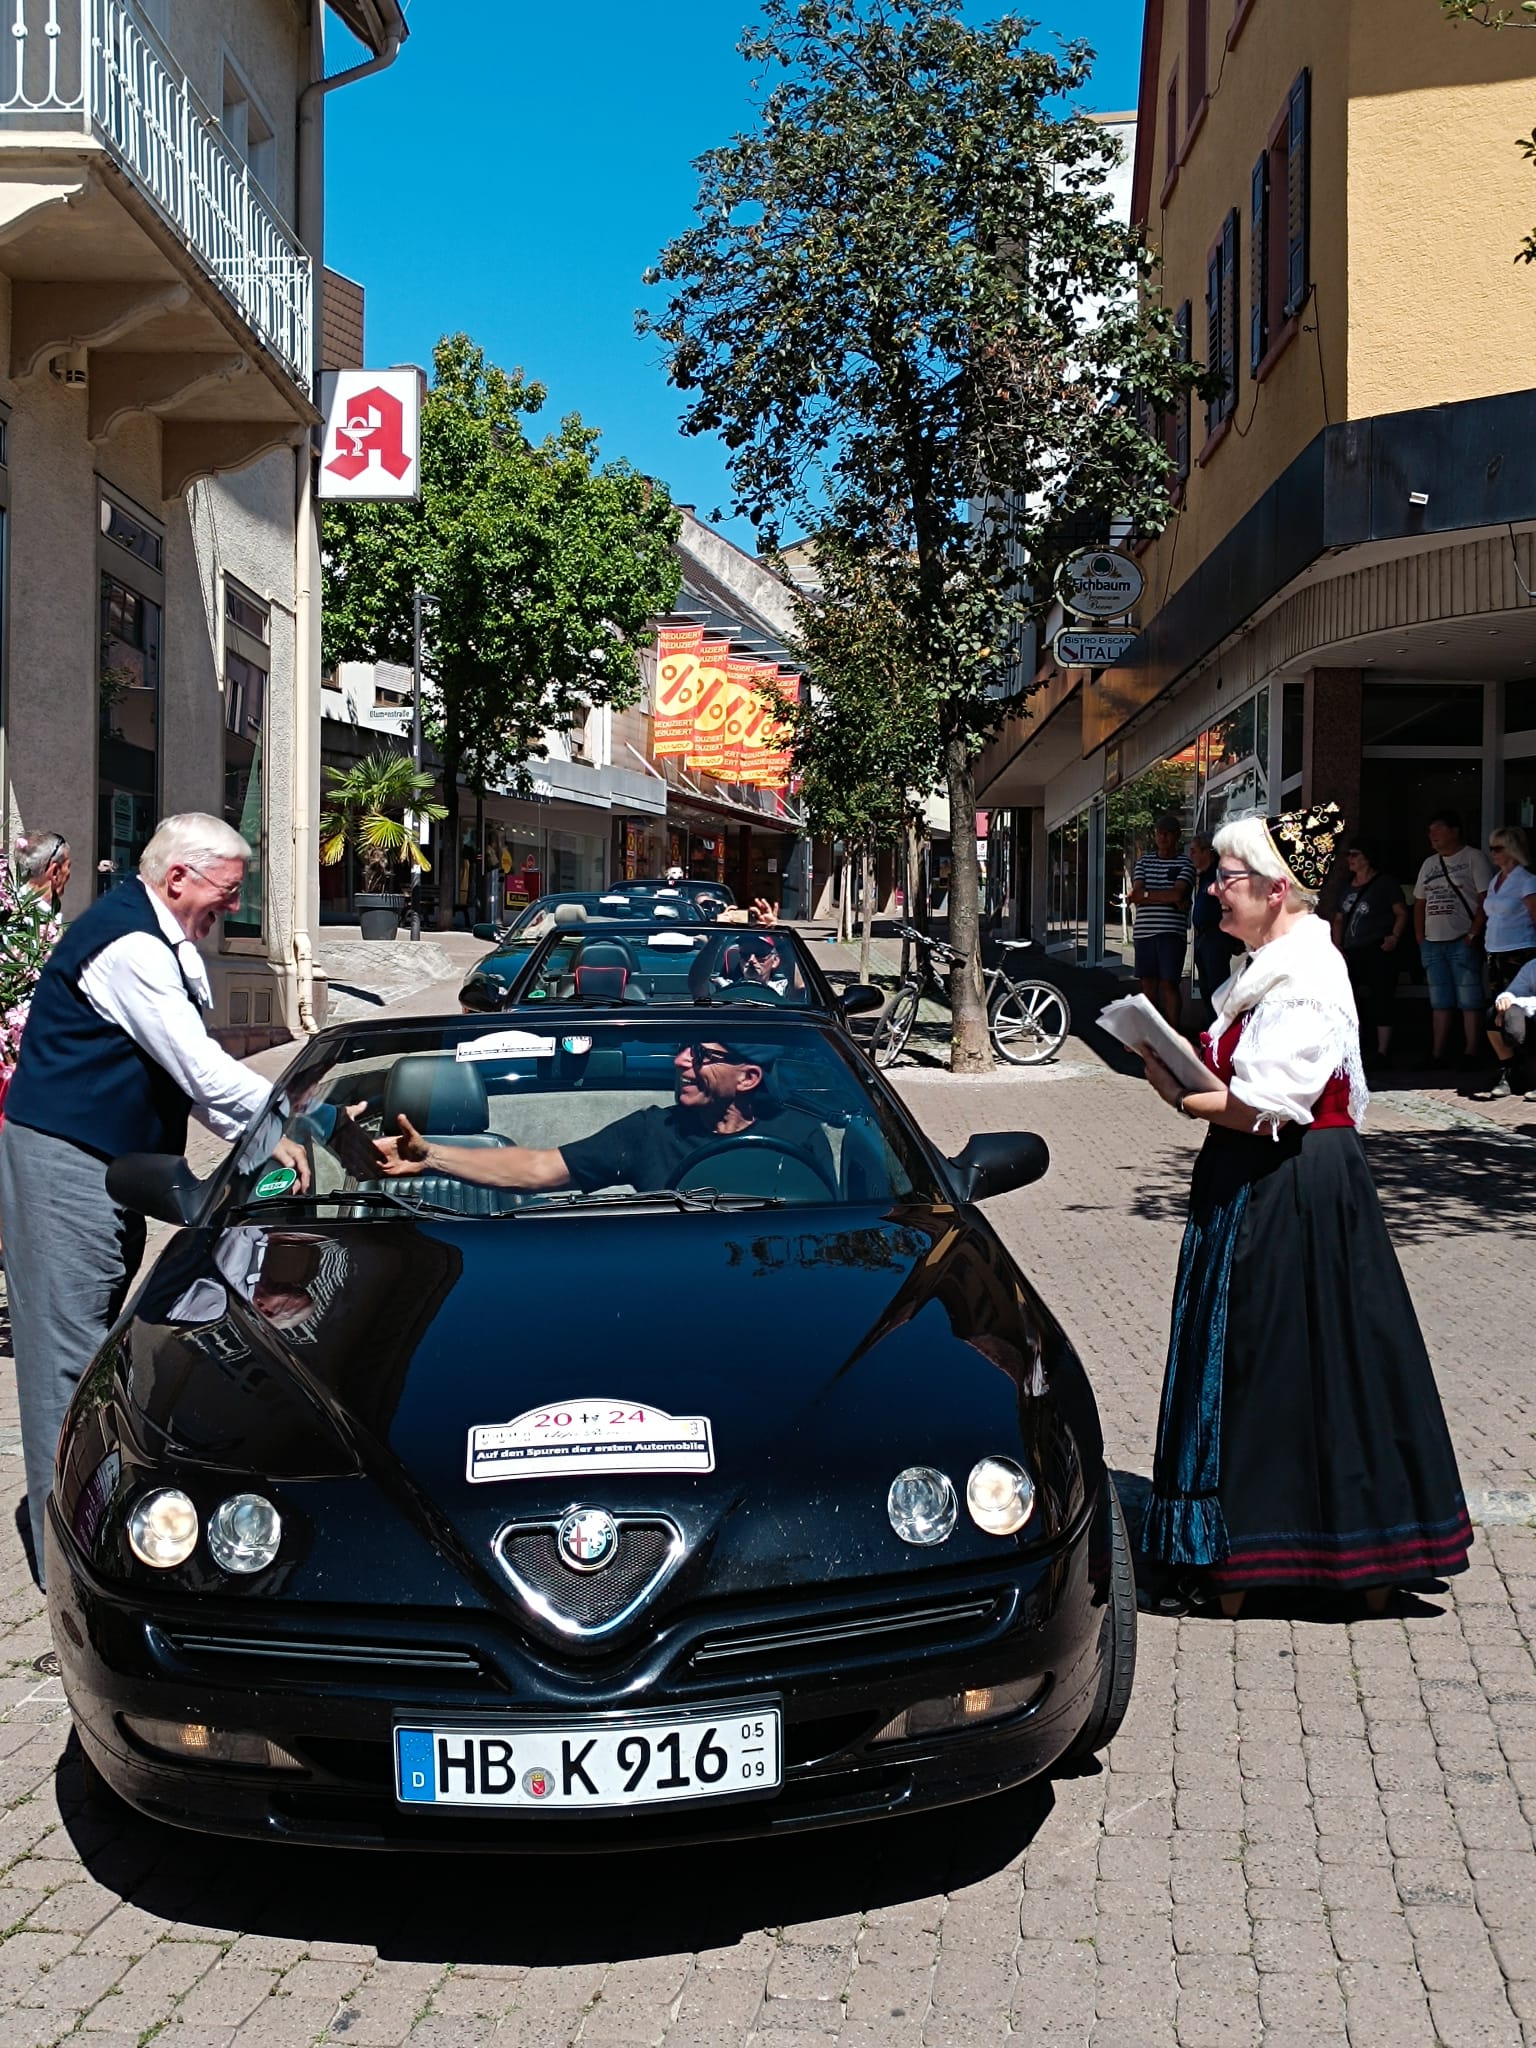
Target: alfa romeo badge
(588, 1539)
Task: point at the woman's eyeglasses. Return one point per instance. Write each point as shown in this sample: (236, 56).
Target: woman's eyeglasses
(1225, 877)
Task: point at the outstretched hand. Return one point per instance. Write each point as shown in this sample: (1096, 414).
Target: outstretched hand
(762, 911)
(406, 1154)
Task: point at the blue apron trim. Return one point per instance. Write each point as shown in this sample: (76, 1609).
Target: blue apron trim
(1184, 1522)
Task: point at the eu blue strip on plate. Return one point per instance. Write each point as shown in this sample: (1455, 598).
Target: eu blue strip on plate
(415, 1745)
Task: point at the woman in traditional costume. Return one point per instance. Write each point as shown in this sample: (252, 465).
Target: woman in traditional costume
(1301, 1441)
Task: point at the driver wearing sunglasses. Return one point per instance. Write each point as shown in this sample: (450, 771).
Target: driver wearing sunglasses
(723, 1089)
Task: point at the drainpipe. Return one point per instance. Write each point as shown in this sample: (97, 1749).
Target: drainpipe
(310, 211)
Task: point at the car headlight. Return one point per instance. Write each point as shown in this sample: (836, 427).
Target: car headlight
(922, 1505)
(1000, 1496)
(162, 1529)
(244, 1533)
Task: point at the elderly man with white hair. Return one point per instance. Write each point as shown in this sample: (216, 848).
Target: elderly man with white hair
(115, 1058)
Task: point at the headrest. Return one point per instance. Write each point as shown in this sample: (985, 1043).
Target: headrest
(601, 984)
(570, 913)
(606, 953)
(440, 1095)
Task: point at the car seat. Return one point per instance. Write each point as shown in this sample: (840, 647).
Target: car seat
(445, 1100)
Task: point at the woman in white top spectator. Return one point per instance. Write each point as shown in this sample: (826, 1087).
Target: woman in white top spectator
(1301, 1441)
(1510, 906)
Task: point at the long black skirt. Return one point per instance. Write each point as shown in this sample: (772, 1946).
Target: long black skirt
(1301, 1440)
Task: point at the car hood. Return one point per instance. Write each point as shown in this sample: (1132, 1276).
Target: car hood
(825, 1353)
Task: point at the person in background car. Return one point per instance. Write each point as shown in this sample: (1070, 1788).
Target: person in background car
(1368, 927)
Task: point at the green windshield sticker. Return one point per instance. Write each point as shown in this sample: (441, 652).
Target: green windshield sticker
(277, 1180)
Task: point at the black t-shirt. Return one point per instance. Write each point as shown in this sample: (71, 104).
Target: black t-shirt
(651, 1147)
(1367, 912)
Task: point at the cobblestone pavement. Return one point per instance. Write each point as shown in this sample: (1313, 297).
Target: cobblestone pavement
(1312, 1830)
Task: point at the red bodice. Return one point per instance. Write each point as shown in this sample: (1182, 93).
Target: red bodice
(1330, 1112)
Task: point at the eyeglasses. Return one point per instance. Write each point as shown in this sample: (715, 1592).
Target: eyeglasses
(230, 895)
(704, 1056)
(1225, 877)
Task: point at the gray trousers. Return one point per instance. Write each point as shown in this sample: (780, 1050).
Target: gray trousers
(70, 1253)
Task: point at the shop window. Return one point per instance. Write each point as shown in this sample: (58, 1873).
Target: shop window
(1221, 321)
(1398, 797)
(1520, 707)
(247, 682)
(1520, 793)
(1422, 715)
(131, 598)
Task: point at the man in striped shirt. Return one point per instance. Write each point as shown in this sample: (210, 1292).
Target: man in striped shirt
(1162, 890)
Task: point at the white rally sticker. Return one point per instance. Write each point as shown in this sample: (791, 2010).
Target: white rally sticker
(590, 1436)
(505, 1045)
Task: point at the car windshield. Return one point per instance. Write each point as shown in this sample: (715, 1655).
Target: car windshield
(496, 1120)
(660, 964)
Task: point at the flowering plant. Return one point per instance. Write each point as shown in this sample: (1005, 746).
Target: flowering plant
(30, 927)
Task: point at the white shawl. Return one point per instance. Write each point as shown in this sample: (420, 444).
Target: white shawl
(1302, 1026)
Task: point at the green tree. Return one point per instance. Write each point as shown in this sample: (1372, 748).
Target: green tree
(865, 738)
(546, 570)
(910, 313)
(1487, 14)
(373, 807)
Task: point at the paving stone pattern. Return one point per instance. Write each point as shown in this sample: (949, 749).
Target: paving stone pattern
(1311, 1832)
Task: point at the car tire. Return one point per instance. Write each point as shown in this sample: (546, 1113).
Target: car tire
(1117, 1643)
(895, 1027)
(97, 1799)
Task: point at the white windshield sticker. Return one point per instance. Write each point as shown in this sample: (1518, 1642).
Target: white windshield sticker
(590, 1436)
(505, 1045)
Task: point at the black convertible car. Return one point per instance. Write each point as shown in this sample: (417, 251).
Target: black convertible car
(663, 1448)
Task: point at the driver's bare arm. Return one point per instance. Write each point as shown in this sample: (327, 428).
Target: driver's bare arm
(497, 1166)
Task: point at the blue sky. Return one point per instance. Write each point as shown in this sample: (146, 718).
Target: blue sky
(521, 164)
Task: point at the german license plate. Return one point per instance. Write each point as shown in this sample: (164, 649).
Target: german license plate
(637, 1761)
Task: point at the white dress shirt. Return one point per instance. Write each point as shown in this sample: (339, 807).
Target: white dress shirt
(134, 984)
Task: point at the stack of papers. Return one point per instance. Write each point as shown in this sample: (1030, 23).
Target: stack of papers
(1137, 1024)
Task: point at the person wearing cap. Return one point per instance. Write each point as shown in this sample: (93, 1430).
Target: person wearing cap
(723, 1090)
(1301, 1441)
(757, 963)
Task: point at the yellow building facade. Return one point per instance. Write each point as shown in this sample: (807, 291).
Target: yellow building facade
(1339, 605)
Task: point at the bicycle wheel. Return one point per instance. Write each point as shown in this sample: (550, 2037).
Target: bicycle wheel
(1030, 1021)
(895, 1027)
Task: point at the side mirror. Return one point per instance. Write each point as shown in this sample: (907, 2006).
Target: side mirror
(158, 1184)
(480, 992)
(996, 1162)
(483, 931)
(860, 999)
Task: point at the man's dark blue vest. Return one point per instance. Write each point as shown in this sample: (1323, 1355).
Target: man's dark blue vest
(78, 1076)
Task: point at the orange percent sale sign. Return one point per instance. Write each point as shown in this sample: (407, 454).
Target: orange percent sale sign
(771, 761)
(708, 740)
(678, 649)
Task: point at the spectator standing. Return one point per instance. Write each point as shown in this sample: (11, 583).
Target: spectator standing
(1448, 924)
(1162, 888)
(1509, 1032)
(1215, 951)
(115, 1058)
(1368, 927)
(1510, 906)
(42, 866)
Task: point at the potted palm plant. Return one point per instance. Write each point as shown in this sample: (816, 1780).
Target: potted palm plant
(370, 804)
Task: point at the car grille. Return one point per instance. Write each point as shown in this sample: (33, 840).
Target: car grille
(584, 1602)
(877, 1629)
(282, 1659)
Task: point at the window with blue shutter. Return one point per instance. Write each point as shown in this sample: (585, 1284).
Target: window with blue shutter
(1258, 264)
(1221, 321)
(1298, 141)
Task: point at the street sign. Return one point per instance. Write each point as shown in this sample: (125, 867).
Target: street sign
(1078, 647)
(1099, 583)
(372, 443)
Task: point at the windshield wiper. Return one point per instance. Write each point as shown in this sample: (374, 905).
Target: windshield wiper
(365, 1198)
(693, 1201)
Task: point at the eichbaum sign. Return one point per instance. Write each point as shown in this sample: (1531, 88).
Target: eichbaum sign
(1099, 583)
(372, 446)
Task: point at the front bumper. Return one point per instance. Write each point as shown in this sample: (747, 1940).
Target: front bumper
(310, 1682)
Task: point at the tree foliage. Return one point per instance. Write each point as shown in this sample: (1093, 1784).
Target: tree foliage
(545, 569)
(368, 807)
(907, 308)
(1487, 14)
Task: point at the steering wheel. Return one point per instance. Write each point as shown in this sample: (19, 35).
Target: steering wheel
(773, 1154)
(749, 992)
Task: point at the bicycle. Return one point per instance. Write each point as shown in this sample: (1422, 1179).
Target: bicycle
(1028, 1020)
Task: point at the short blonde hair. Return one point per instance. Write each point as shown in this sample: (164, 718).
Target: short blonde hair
(190, 839)
(1247, 840)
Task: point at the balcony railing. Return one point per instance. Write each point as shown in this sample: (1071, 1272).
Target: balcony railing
(98, 66)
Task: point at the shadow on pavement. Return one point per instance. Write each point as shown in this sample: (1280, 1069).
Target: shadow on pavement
(534, 1910)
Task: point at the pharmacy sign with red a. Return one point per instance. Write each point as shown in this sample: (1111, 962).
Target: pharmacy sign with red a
(372, 446)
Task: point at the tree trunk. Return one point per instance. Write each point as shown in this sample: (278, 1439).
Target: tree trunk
(911, 857)
(869, 914)
(970, 1049)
